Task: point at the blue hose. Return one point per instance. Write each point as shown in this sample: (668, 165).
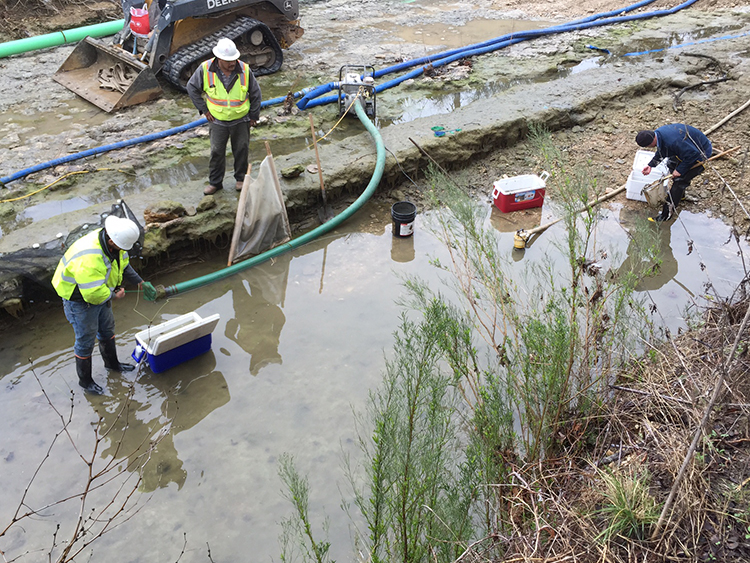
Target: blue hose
(99, 150)
(310, 97)
(491, 45)
(470, 50)
(122, 144)
(508, 36)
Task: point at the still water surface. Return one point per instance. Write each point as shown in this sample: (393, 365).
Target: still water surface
(300, 343)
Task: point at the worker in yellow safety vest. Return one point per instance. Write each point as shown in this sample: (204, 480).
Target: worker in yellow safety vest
(88, 277)
(225, 91)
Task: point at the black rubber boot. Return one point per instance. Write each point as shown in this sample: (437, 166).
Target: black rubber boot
(665, 215)
(108, 350)
(667, 212)
(83, 367)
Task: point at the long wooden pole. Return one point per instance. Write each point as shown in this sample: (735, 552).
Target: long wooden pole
(317, 159)
(524, 235)
(239, 218)
(542, 228)
(727, 118)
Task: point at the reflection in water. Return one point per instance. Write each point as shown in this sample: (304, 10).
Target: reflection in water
(402, 249)
(587, 64)
(526, 219)
(173, 401)
(215, 477)
(653, 272)
(258, 320)
(453, 36)
(47, 209)
(426, 105)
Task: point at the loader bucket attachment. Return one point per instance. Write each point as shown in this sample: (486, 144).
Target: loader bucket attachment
(127, 81)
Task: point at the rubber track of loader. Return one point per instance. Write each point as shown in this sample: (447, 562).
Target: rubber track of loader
(203, 49)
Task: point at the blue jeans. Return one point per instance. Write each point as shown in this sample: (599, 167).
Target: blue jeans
(89, 323)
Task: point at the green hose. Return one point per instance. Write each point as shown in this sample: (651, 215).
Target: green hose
(59, 38)
(307, 237)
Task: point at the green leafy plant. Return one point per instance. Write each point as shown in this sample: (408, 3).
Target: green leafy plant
(500, 372)
(417, 494)
(560, 327)
(297, 530)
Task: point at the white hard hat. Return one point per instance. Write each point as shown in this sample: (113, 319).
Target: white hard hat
(123, 232)
(226, 50)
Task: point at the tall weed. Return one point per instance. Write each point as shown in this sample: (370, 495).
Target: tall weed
(416, 498)
(556, 337)
(494, 377)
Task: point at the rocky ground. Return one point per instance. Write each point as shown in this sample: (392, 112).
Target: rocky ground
(337, 33)
(710, 81)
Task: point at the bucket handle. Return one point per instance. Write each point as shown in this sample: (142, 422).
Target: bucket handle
(138, 353)
(544, 175)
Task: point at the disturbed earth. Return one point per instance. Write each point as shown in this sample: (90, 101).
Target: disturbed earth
(592, 102)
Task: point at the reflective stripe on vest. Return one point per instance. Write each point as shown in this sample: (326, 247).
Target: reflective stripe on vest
(86, 265)
(223, 105)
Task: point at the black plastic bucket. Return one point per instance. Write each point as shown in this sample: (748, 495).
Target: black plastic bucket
(403, 214)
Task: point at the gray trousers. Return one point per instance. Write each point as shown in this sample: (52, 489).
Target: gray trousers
(239, 134)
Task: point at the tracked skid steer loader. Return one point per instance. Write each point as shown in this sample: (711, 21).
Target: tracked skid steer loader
(173, 37)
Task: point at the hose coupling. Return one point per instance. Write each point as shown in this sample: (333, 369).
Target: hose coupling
(519, 239)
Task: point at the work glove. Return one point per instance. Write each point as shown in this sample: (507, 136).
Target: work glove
(149, 291)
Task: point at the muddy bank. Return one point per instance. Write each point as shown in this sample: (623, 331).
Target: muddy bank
(594, 103)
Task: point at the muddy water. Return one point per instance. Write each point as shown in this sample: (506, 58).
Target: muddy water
(452, 36)
(300, 343)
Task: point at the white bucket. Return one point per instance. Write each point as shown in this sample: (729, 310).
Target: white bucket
(637, 181)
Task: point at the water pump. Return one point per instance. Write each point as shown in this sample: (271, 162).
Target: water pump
(357, 82)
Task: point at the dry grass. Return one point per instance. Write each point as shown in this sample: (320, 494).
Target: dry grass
(596, 502)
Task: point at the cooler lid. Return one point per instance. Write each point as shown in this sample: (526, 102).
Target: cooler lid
(522, 183)
(176, 332)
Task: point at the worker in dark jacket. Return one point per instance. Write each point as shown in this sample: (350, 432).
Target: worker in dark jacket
(88, 277)
(686, 149)
(225, 91)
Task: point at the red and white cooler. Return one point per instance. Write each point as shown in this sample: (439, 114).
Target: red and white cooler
(519, 192)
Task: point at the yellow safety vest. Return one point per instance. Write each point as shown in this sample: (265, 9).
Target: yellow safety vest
(86, 265)
(223, 105)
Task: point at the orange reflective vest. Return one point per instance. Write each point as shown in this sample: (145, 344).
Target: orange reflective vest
(223, 105)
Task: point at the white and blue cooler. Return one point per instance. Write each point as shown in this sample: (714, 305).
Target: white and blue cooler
(175, 341)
